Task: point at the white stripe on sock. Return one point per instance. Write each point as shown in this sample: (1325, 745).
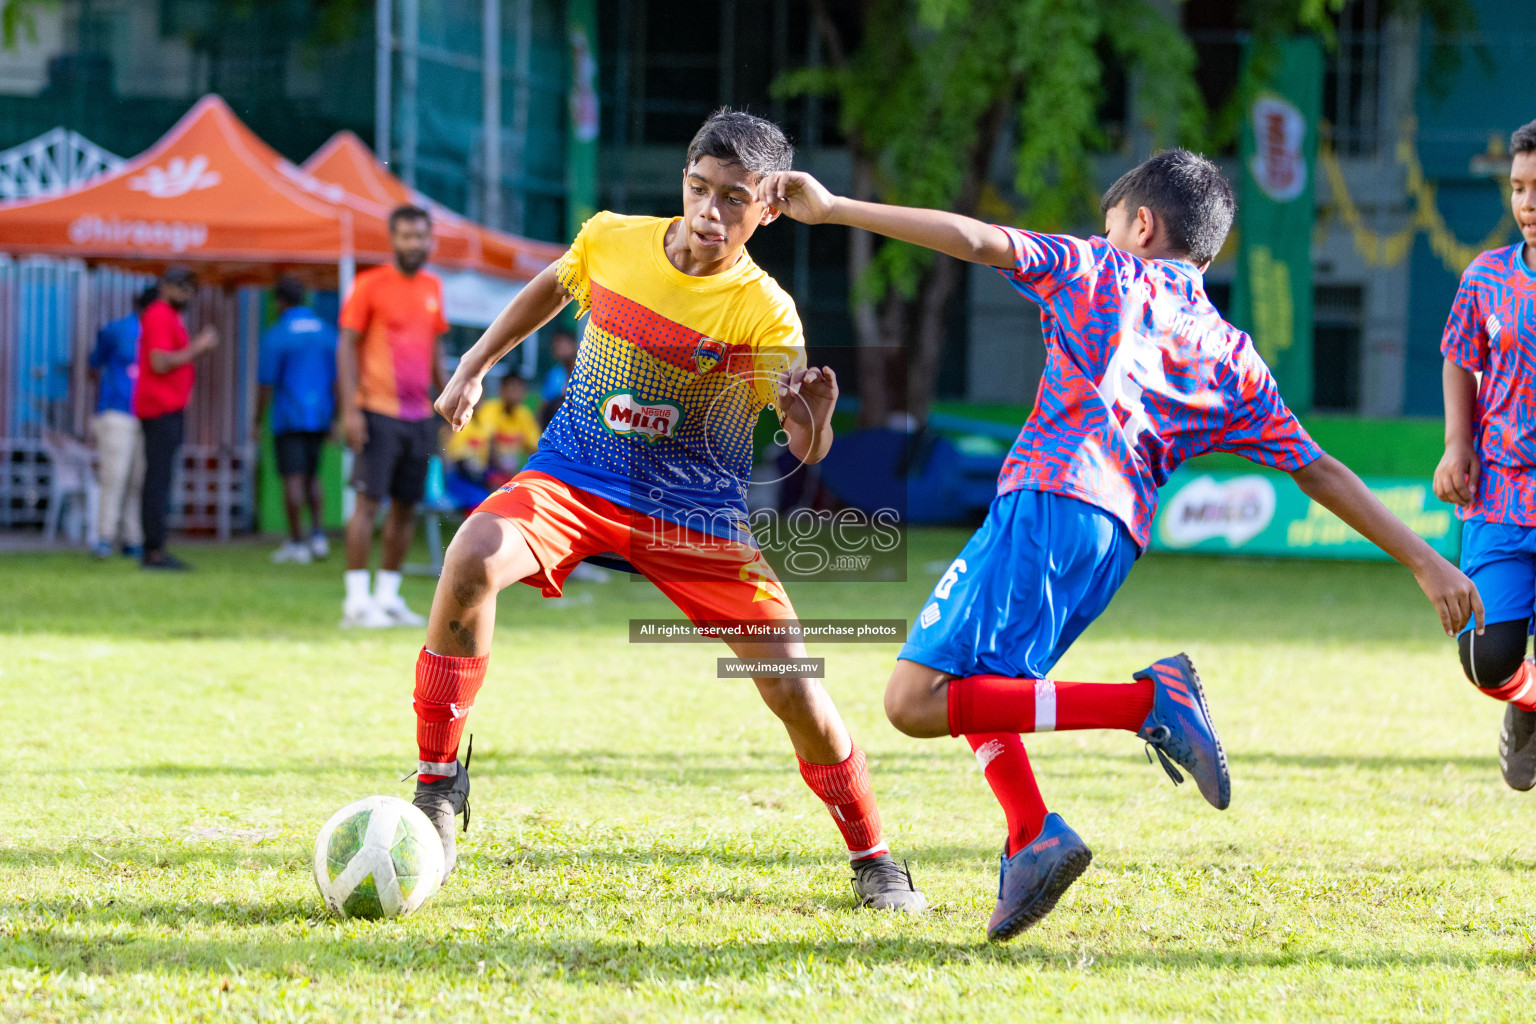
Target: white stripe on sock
(879, 847)
(1045, 706)
(449, 769)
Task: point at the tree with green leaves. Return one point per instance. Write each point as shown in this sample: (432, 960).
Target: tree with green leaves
(933, 88)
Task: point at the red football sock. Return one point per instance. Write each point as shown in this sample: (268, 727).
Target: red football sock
(986, 704)
(445, 691)
(1519, 689)
(845, 789)
(1006, 767)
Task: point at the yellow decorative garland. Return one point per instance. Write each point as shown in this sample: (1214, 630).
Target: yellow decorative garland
(1385, 250)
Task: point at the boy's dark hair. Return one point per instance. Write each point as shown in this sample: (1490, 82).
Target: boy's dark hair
(737, 137)
(1523, 140)
(408, 211)
(1189, 195)
(289, 290)
(142, 300)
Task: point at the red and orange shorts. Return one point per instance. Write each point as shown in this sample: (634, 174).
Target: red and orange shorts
(710, 579)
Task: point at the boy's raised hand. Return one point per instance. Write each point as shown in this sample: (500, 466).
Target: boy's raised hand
(816, 390)
(796, 194)
(458, 400)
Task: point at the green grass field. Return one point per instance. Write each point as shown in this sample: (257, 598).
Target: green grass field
(643, 849)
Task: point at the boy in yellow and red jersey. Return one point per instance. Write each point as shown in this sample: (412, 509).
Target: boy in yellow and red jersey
(648, 457)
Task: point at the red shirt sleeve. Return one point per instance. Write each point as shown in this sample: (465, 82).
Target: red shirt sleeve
(1043, 263)
(1465, 341)
(1263, 429)
(358, 309)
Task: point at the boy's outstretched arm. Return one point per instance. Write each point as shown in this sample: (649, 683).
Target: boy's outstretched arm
(1457, 475)
(531, 308)
(803, 198)
(1331, 484)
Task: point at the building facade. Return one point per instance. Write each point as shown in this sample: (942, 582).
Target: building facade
(485, 105)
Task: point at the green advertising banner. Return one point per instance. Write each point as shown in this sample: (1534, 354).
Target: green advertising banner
(1265, 513)
(1272, 292)
(581, 135)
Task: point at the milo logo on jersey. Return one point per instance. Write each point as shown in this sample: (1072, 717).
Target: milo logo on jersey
(624, 414)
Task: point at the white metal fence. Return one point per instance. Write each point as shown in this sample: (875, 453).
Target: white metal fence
(50, 311)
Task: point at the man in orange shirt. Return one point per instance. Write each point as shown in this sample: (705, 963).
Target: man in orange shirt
(388, 365)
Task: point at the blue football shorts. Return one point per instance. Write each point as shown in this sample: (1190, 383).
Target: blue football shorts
(1025, 586)
(1501, 559)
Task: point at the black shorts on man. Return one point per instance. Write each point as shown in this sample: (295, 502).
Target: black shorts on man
(393, 462)
(298, 452)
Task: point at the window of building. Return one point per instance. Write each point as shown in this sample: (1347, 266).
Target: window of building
(1338, 321)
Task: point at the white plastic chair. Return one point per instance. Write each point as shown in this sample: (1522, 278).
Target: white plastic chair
(72, 477)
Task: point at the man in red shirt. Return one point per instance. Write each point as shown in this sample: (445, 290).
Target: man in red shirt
(160, 400)
(388, 365)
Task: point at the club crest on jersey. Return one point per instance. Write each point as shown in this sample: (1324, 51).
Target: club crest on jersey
(625, 414)
(708, 354)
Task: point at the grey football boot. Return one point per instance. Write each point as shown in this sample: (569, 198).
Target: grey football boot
(1517, 748)
(882, 884)
(443, 801)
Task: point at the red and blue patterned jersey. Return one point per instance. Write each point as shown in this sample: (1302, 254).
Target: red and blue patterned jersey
(1492, 331)
(1141, 373)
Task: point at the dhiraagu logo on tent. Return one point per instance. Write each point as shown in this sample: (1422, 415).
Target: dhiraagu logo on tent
(624, 413)
(1236, 510)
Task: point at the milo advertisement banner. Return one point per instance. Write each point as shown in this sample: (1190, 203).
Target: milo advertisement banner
(1272, 292)
(1265, 513)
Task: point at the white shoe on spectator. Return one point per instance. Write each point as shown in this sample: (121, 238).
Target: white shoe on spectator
(398, 612)
(292, 551)
(319, 546)
(363, 613)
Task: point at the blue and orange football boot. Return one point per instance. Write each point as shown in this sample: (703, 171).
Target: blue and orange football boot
(1179, 727)
(1031, 881)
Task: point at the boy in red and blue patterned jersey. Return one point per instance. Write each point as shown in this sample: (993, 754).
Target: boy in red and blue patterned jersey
(687, 341)
(1141, 374)
(1489, 466)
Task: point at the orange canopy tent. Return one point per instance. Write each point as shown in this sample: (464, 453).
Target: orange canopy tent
(209, 192)
(461, 244)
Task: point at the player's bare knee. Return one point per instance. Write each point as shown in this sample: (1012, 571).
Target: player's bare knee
(471, 561)
(1491, 659)
(910, 702)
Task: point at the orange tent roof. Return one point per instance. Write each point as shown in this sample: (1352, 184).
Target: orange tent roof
(210, 191)
(461, 243)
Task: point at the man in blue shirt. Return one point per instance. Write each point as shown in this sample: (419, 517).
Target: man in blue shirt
(119, 441)
(298, 380)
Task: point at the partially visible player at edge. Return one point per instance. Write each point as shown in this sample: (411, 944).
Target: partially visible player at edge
(1141, 374)
(648, 457)
(1489, 466)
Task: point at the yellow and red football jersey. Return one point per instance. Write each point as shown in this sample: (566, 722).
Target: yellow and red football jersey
(672, 375)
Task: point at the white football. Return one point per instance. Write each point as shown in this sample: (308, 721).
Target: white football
(378, 857)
